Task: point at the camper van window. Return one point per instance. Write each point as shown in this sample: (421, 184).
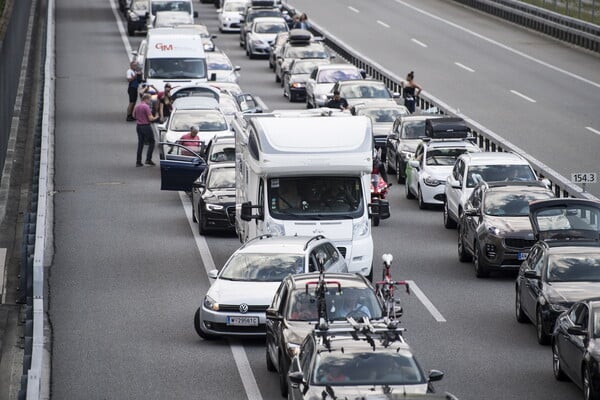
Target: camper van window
(171, 68)
(315, 197)
(171, 5)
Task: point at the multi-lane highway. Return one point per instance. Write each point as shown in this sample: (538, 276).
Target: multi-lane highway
(130, 270)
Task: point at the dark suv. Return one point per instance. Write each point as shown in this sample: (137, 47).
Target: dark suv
(293, 313)
(137, 16)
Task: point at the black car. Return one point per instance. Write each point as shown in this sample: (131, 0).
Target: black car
(563, 266)
(576, 347)
(294, 79)
(495, 230)
(137, 16)
(293, 313)
(213, 198)
(343, 362)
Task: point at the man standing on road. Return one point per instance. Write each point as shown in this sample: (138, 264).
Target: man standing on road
(133, 81)
(144, 117)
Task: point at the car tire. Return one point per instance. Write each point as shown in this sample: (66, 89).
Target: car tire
(422, 204)
(559, 374)
(399, 177)
(198, 327)
(407, 192)
(283, 387)
(463, 254)
(270, 365)
(449, 223)
(481, 270)
(519, 313)
(542, 337)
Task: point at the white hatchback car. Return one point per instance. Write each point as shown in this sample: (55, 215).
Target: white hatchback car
(472, 168)
(261, 35)
(243, 289)
(426, 174)
(230, 15)
(220, 65)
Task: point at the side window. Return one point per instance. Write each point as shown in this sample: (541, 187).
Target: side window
(419, 153)
(461, 171)
(305, 355)
(455, 171)
(539, 263)
(476, 198)
(313, 74)
(333, 254)
(532, 257)
(312, 263)
(277, 297)
(261, 194)
(283, 298)
(575, 311)
(321, 256)
(582, 317)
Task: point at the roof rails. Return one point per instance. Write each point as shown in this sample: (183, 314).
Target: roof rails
(316, 237)
(386, 332)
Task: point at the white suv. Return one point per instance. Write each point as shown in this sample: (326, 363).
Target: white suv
(472, 168)
(243, 289)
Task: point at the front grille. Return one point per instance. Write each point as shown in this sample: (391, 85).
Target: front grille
(220, 327)
(231, 214)
(236, 308)
(440, 197)
(343, 251)
(519, 243)
(235, 25)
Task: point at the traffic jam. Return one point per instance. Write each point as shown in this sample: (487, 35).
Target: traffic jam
(303, 188)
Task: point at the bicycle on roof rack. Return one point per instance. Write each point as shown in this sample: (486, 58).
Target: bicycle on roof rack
(386, 288)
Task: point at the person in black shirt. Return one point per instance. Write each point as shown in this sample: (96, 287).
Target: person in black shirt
(337, 101)
(410, 91)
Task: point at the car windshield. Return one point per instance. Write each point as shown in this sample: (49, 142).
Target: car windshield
(175, 68)
(334, 75)
(492, 173)
(381, 115)
(234, 7)
(259, 267)
(445, 156)
(305, 67)
(354, 301)
(222, 152)
(315, 197)
(571, 222)
(311, 51)
(221, 178)
(573, 268)
(171, 5)
(205, 120)
(511, 204)
(270, 27)
(373, 90)
(391, 367)
(220, 65)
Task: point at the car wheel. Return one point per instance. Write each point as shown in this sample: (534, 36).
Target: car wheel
(283, 387)
(422, 204)
(448, 221)
(270, 365)
(480, 269)
(463, 254)
(407, 192)
(559, 374)
(400, 178)
(519, 313)
(542, 337)
(130, 31)
(198, 327)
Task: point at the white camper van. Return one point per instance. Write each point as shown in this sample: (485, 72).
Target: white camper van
(173, 55)
(306, 175)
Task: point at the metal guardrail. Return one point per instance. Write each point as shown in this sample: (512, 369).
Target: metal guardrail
(486, 139)
(550, 23)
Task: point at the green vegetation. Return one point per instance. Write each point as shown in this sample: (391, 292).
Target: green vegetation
(586, 10)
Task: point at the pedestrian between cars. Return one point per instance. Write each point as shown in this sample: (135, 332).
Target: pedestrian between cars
(143, 116)
(337, 101)
(410, 91)
(134, 76)
(165, 105)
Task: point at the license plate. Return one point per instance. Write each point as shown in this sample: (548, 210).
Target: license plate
(242, 321)
(521, 256)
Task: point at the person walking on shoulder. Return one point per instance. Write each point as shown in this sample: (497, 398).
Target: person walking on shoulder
(133, 81)
(143, 116)
(410, 91)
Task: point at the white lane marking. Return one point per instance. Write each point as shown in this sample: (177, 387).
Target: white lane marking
(426, 302)
(505, 47)
(353, 9)
(239, 354)
(589, 128)
(2, 275)
(124, 38)
(383, 24)
(523, 96)
(418, 42)
(464, 67)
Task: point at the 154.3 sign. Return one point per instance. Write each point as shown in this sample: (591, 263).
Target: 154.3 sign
(584, 177)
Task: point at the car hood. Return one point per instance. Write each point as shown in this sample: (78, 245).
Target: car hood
(335, 230)
(220, 196)
(236, 292)
(570, 292)
(233, 16)
(323, 88)
(362, 100)
(368, 392)
(512, 224)
(265, 37)
(440, 172)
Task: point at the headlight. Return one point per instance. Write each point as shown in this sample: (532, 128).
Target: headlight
(210, 303)
(429, 181)
(213, 207)
(495, 231)
(360, 228)
(274, 228)
(292, 349)
(297, 85)
(227, 19)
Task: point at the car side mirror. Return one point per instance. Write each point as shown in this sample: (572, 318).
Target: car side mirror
(213, 36)
(246, 212)
(273, 313)
(212, 274)
(296, 378)
(435, 375)
(237, 68)
(414, 163)
(471, 212)
(219, 10)
(531, 274)
(576, 330)
(161, 127)
(454, 184)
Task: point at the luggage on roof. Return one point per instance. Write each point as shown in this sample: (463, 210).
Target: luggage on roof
(446, 128)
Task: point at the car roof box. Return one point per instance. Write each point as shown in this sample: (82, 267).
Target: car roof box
(262, 3)
(299, 36)
(446, 128)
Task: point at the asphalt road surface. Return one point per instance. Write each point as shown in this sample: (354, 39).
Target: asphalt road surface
(129, 272)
